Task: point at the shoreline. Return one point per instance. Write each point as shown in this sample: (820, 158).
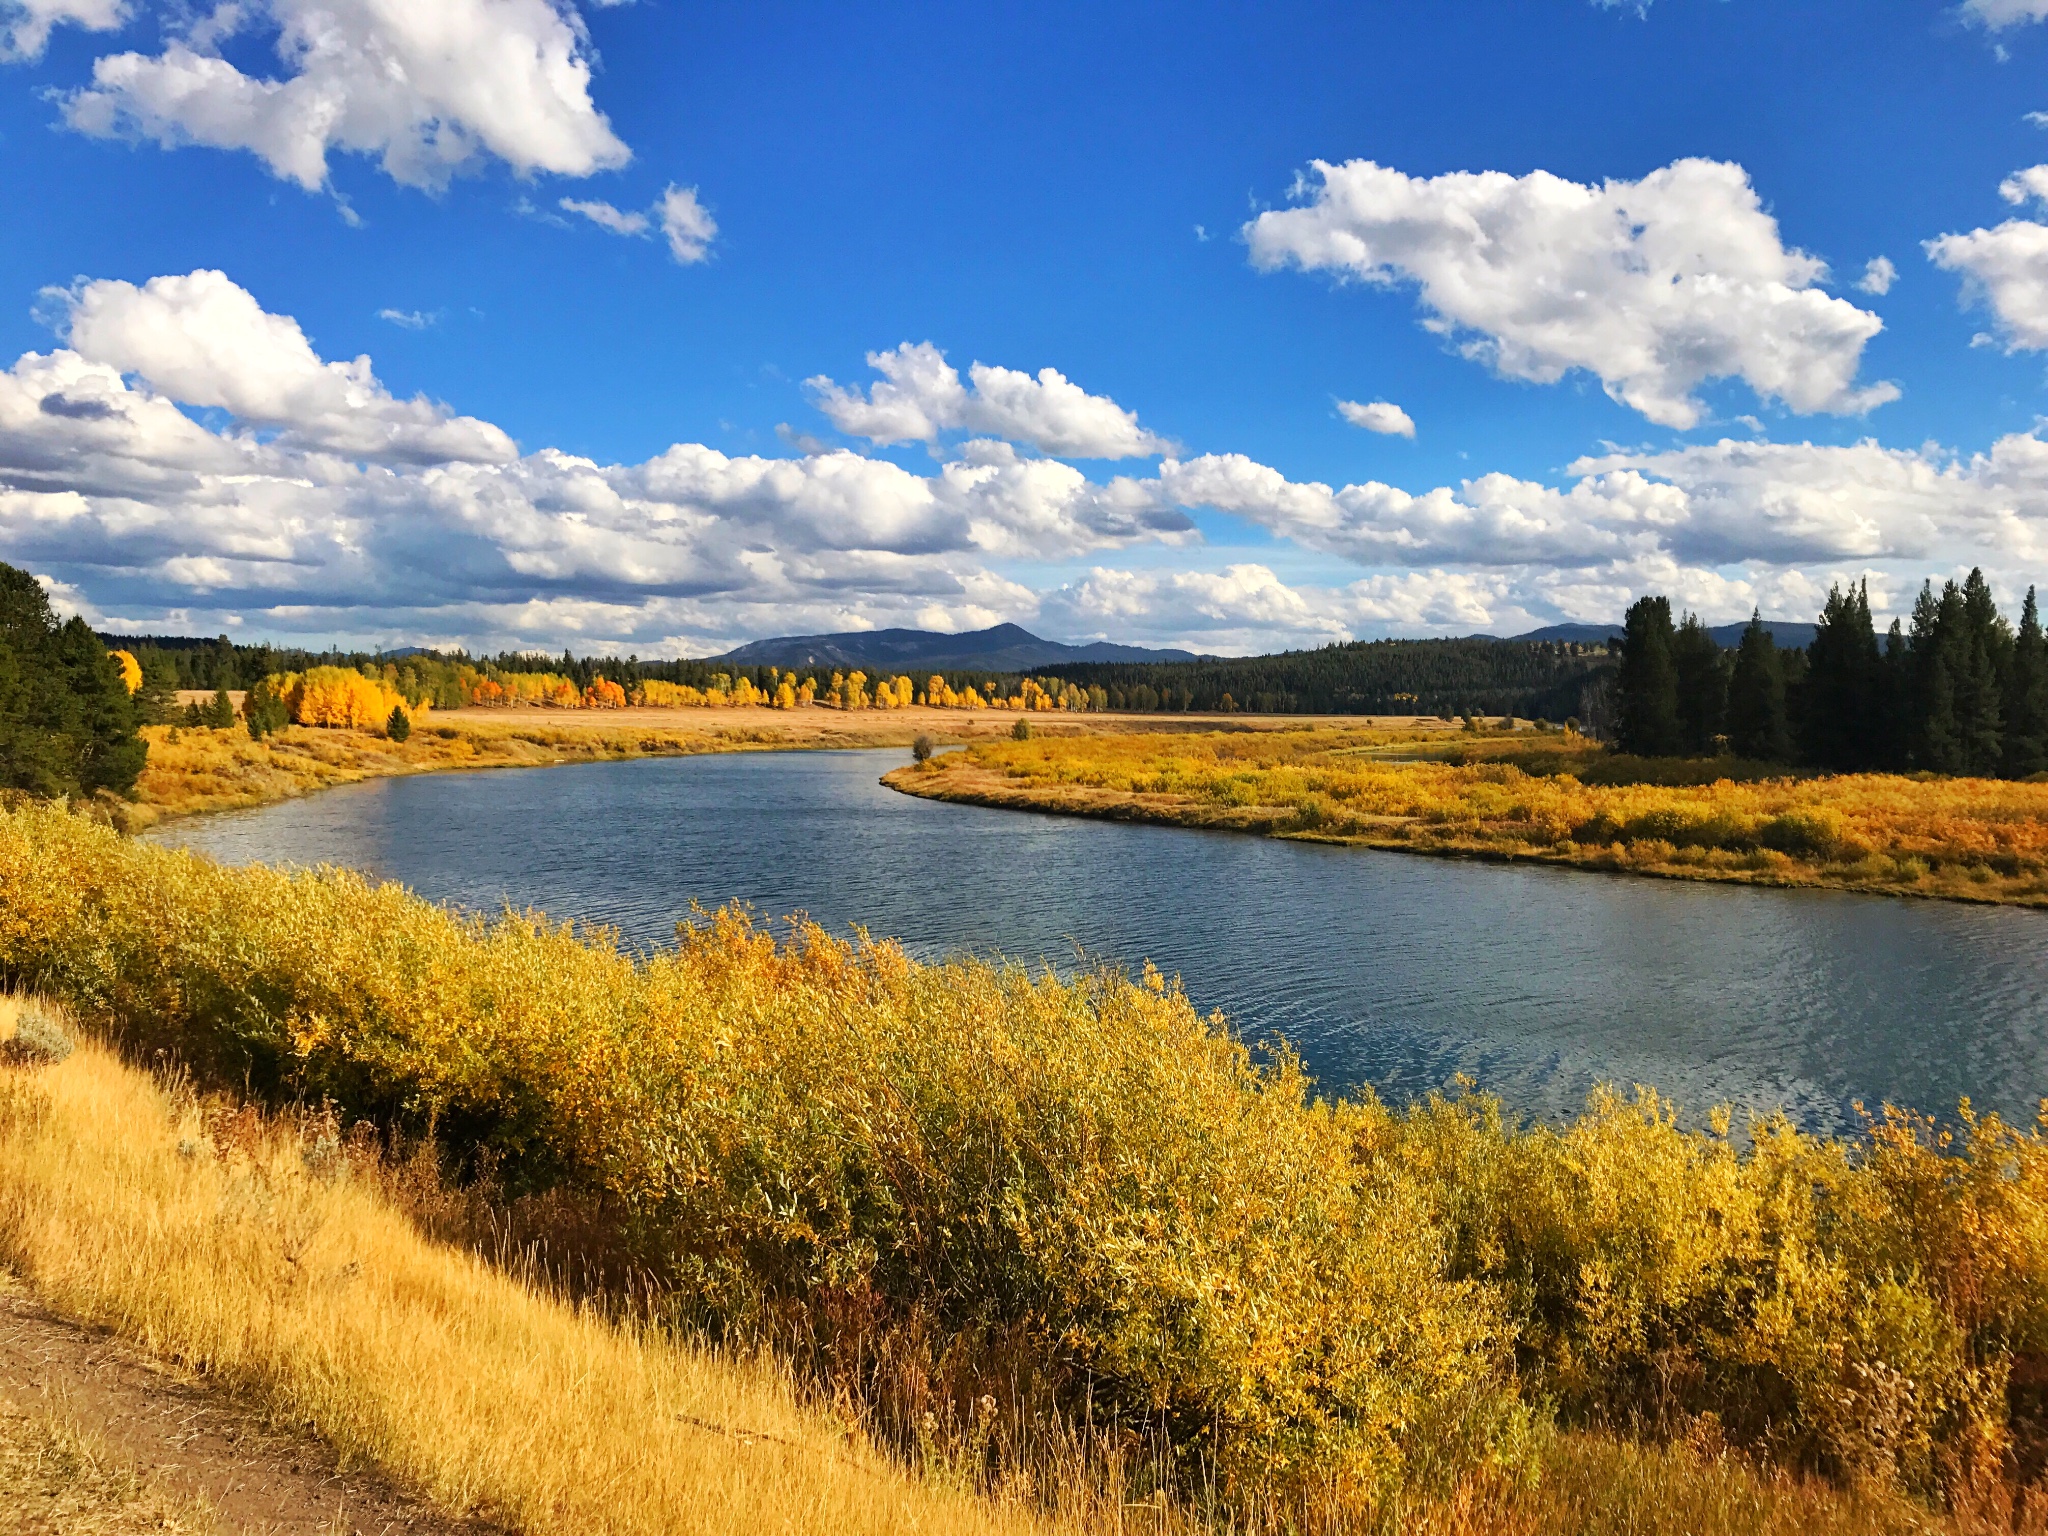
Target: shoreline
(956, 779)
(200, 771)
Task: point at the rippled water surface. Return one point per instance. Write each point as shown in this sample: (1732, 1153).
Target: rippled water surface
(1383, 968)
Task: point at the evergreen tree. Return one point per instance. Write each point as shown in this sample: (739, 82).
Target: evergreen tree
(264, 710)
(1646, 686)
(1702, 673)
(1895, 701)
(67, 723)
(1986, 655)
(220, 714)
(2026, 696)
(1842, 724)
(1756, 698)
(1934, 742)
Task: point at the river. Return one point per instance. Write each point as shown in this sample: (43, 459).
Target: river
(1381, 968)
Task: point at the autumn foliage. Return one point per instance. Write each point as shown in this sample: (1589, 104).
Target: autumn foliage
(131, 669)
(341, 697)
(1540, 798)
(1085, 1200)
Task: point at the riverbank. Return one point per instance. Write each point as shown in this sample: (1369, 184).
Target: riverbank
(1960, 839)
(1171, 1292)
(194, 770)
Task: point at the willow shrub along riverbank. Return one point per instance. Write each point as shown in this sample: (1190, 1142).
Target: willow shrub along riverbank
(1524, 797)
(964, 1195)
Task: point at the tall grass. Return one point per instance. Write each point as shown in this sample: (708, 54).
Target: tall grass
(261, 1256)
(1982, 839)
(987, 1205)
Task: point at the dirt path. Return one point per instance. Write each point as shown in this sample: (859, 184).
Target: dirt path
(185, 1439)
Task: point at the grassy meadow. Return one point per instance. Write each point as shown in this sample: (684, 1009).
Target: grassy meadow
(191, 770)
(1554, 798)
(1062, 1244)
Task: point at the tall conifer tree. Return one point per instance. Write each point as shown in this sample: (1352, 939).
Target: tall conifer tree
(2026, 696)
(1702, 673)
(1756, 698)
(1843, 724)
(1646, 686)
(1984, 656)
(1937, 626)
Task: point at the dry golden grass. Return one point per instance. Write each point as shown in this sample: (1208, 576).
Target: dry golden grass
(264, 1264)
(1525, 798)
(252, 1252)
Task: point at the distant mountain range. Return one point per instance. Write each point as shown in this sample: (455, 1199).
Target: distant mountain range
(1006, 648)
(1012, 648)
(1788, 634)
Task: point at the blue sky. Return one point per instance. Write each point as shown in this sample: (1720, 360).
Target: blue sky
(1580, 247)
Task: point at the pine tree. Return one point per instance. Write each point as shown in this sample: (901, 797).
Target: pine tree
(106, 752)
(1937, 635)
(67, 721)
(1756, 698)
(1702, 673)
(1646, 686)
(1843, 725)
(2026, 697)
(1895, 701)
(1984, 658)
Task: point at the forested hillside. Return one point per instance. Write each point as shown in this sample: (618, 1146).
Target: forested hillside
(1537, 680)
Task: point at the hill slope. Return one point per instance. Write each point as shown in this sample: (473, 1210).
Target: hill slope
(1787, 632)
(1005, 648)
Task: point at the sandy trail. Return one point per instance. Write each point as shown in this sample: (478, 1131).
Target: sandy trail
(191, 1439)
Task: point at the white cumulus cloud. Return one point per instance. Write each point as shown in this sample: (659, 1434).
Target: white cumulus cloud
(921, 397)
(1381, 416)
(326, 503)
(1878, 276)
(204, 340)
(2006, 270)
(25, 25)
(430, 89)
(324, 506)
(2000, 14)
(687, 223)
(684, 222)
(1654, 286)
(605, 216)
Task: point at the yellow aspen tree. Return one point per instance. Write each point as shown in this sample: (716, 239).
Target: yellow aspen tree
(131, 669)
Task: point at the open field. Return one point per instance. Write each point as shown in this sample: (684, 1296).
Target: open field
(1533, 797)
(194, 769)
(1060, 1243)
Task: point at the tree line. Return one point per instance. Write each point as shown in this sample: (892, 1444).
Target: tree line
(445, 679)
(1533, 679)
(1959, 690)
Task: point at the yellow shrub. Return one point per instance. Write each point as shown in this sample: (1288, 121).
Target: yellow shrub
(1088, 1170)
(1086, 1194)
